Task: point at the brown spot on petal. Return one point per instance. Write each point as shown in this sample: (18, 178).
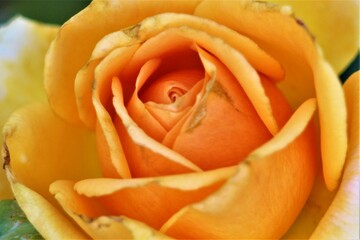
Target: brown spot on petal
(5, 156)
(133, 31)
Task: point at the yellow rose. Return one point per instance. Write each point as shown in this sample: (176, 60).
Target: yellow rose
(187, 119)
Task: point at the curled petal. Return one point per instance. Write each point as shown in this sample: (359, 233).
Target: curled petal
(236, 62)
(113, 161)
(305, 67)
(64, 60)
(140, 137)
(160, 197)
(47, 219)
(332, 118)
(341, 220)
(93, 220)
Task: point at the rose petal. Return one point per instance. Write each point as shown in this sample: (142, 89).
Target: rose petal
(304, 66)
(230, 57)
(64, 60)
(107, 53)
(223, 106)
(136, 107)
(341, 221)
(258, 58)
(70, 151)
(184, 182)
(48, 220)
(112, 159)
(332, 118)
(292, 129)
(81, 209)
(144, 142)
(268, 32)
(160, 197)
(267, 188)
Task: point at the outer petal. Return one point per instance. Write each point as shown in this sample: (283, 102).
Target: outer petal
(341, 221)
(42, 148)
(327, 21)
(77, 38)
(307, 73)
(48, 220)
(23, 44)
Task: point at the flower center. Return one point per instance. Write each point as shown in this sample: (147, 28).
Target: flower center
(176, 92)
(170, 87)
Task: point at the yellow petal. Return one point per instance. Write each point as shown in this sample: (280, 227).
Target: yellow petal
(23, 44)
(332, 118)
(326, 20)
(269, 188)
(73, 46)
(341, 221)
(48, 220)
(43, 148)
(160, 197)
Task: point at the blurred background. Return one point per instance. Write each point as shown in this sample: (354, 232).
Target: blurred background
(50, 11)
(58, 11)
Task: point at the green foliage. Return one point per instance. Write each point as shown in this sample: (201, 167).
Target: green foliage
(49, 11)
(14, 224)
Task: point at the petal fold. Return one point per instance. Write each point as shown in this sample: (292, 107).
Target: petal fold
(64, 60)
(341, 220)
(87, 213)
(305, 67)
(47, 219)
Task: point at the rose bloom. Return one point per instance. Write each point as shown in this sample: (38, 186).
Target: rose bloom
(184, 119)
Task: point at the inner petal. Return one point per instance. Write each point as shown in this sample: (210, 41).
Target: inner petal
(164, 81)
(170, 87)
(225, 120)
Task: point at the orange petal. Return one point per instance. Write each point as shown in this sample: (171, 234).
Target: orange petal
(81, 209)
(268, 32)
(112, 158)
(292, 129)
(305, 68)
(111, 154)
(236, 62)
(224, 106)
(341, 221)
(142, 141)
(160, 197)
(64, 60)
(136, 107)
(268, 187)
(42, 148)
(258, 58)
